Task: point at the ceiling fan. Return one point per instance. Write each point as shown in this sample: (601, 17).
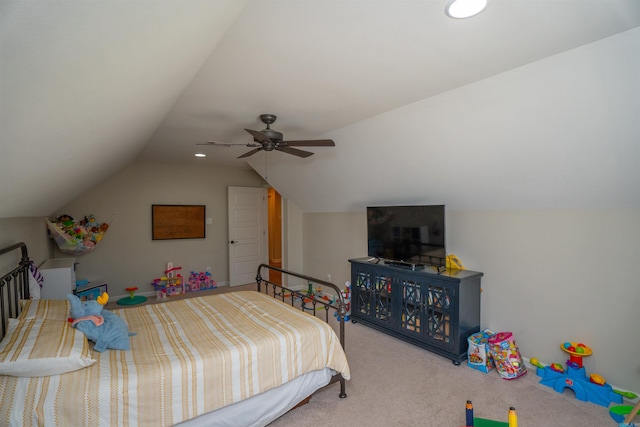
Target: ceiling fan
(269, 140)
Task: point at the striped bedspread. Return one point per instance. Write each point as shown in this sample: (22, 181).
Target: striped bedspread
(189, 357)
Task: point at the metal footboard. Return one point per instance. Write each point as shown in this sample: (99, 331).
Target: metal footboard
(308, 301)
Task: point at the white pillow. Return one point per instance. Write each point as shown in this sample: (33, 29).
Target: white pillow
(42, 347)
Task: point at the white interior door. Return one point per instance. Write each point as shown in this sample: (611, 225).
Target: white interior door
(247, 233)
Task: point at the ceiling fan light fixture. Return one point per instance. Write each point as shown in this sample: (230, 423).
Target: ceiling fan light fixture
(460, 9)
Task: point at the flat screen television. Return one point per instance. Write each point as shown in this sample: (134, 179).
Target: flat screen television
(407, 234)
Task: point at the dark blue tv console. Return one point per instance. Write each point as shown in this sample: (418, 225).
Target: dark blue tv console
(435, 310)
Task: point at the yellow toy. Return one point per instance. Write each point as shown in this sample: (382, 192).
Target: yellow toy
(454, 262)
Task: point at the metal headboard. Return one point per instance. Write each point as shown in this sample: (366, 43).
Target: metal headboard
(14, 285)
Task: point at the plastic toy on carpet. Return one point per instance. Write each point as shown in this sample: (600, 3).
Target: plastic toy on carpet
(592, 389)
(630, 416)
(483, 422)
(132, 299)
(620, 412)
(472, 421)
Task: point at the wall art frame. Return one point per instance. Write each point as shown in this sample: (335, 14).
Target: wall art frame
(178, 222)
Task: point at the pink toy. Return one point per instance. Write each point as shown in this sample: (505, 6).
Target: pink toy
(194, 285)
(171, 283)
(506, 356)
(200, 282)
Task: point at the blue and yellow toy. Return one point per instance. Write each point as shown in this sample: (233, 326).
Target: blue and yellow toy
(592, 389)
(106, 329)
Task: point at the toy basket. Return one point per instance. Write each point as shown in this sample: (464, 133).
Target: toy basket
(479, 351)
(77, 237)
(506, 356)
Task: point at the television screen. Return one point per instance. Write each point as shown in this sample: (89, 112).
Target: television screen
(411, 234)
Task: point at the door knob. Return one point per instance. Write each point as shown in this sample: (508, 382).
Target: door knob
(233, 241)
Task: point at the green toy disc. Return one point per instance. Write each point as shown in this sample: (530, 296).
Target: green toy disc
(620, 412)
(138, 299)
(483, 422)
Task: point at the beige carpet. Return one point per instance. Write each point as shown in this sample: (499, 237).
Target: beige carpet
(397, 384)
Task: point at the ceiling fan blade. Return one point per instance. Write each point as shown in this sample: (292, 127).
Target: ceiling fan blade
(310, 143)
(259, 136)
(250, 153)
(225, 144)
(294, 151)
(211, 143)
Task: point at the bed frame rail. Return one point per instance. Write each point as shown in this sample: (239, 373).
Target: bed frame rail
(308, 302)
(14, 285)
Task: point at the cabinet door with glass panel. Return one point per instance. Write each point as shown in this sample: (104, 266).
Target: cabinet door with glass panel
(426, 310)
(371, 299)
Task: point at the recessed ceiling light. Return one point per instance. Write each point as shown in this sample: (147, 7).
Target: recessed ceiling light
(201, 155)
(460, 9)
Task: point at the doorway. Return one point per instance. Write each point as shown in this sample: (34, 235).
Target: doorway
(255, 233)
(248, 242)
(274, 214)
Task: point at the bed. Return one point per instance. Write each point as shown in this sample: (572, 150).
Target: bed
(232, 359)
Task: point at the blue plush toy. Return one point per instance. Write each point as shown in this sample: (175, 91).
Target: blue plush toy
(104, 328)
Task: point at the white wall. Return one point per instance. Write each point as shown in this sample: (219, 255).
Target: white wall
(31, 231)
(330, 239)
(556, 276)
(96, 89)
(549, 277)
(560, 133)
(127, 256)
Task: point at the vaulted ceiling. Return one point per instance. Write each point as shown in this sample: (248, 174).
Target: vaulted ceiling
(87, 87)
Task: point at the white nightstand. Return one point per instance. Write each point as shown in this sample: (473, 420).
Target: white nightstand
(59, 278)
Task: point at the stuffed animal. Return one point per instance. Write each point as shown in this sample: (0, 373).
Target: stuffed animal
(103, 327)
(90, 222)
(66, 220)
